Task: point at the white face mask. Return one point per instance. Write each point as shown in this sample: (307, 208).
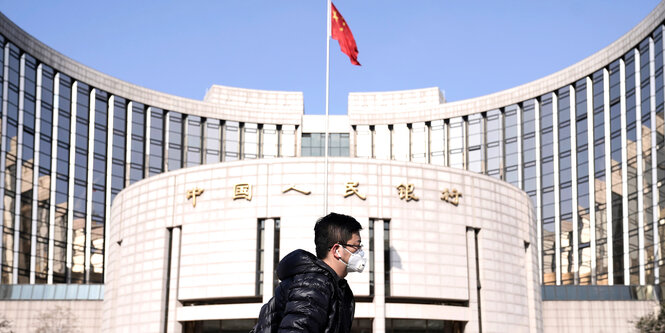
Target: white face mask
(356, 262)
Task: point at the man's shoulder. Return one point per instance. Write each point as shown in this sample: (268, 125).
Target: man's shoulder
(314, 278)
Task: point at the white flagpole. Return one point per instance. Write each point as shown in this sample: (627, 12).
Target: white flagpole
(325, 149)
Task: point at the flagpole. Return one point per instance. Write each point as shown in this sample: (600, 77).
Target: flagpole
(325, 145)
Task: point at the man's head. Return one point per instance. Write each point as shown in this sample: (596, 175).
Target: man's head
(333, 229)
(337, 238)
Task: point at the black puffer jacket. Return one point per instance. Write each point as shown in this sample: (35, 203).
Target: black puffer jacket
(310, 298)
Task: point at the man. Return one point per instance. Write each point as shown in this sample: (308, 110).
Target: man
(313, 295)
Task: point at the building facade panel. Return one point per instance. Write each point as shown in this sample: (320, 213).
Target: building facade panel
(223, 245)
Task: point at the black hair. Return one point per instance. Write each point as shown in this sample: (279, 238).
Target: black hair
(332, 229)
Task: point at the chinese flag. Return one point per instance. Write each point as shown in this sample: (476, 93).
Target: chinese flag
(342, 33)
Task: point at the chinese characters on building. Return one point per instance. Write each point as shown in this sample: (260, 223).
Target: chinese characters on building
(193, 193)
(351, 189)
(242, 191)
(405, 192)
(452, 196)
(294, 188)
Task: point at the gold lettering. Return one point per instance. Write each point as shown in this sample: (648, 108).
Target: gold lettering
(193, 193)
(242, 191)
(293, 187)
(406, 192)
(352, 188)
(451, 196)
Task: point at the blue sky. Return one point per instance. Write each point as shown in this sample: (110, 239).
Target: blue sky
(466, 48)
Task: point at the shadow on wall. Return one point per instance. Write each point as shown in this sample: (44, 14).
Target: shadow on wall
(395, 259)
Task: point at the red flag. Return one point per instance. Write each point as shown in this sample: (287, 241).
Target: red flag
(342, 33)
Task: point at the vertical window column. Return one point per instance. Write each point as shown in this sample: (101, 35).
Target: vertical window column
(382, 142)
(137, 132)
(60, 180)
(476, 143)
(250, 141)
(616, 173)
(658, 162)
(97, 181)
(565, 186)
(611, 270)
(231, 138)
(267, 257)
(538, 187)
(546, 182)
(494, 144)
(40, 216)
(24, 176)
(287, 141)
(634, 237)
(456, 140)
(175, 137)
(4, 75)
(193, 141)
(599, 185)
(585, 247)
(155, 137)
(269, 141)
(118, 148)
(379, 286)
(511, 145)
(645, 172)
(646, 234)
(212, 145)
(42, 181)
(528, 121)
(363, 146)
(110, 165)
(401, 142)
(78, 172)
(576, 223)
(9, 163)
(437, 143)
(419, 142)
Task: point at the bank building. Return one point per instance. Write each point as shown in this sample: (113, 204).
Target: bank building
(540, 208)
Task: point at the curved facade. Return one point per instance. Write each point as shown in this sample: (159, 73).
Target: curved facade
(587, 145)
(173, 263)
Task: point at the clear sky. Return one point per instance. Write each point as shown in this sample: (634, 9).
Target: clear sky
(466, 48)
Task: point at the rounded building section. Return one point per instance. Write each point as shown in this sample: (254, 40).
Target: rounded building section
(198, 247)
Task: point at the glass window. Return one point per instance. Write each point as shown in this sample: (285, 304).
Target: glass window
(250, 141)
(175, 141)
(312, 144)
(118, 152)
(476, 143)
(599, 178)
(193, 140)
(493, 145)
(437, 142)
(156, 148)
(231, 141)
(212, 141)
(565, 187)
(137, 145)
(338, 144)
(456, 143)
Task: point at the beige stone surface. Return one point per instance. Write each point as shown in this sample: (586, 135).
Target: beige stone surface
(25, 315)
(594, 316)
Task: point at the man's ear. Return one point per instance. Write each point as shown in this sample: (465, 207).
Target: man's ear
(334, 249)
